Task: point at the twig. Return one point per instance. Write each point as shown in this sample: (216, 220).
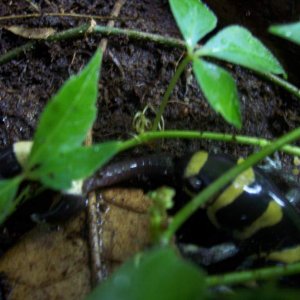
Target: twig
(85, 29)
(33, 5)
(94, 238)
(111, 23)
(63, 15)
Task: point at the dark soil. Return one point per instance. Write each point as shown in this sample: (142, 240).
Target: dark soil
(133, 74)
(136, 73)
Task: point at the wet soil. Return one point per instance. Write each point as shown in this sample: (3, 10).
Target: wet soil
(136, 73)
(133, 74)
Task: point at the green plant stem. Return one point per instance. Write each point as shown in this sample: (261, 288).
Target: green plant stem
(222, 137)
(283, 83)
(88, 29)
(259, 274)
(63, 35)
(131, 34)
(215, 187)
(169, 91)
(14, 53)
(138, 35)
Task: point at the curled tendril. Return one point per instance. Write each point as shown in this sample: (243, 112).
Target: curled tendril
(142, 123)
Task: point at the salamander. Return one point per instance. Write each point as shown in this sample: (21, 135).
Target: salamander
(251, 208)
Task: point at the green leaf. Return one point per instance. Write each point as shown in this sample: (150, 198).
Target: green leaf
(220, 90)
(237, 45)
(159, 274)
(60, 170)
(194, 19)
(68, 116)
(290, 32)
(8, 190)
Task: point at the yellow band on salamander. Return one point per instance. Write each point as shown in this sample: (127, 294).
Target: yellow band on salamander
(230, 194)
(272, 215)
(290, 255)
(195, 164)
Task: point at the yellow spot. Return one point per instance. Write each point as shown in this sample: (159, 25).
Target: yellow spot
(195, 164)
(290, 255)
(22, 150)
(270, 217)
(230, 194)
(296, 161)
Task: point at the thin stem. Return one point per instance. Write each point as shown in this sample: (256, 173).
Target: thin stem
(283, 83)
(258, 274)
(63, 35)
(11, 54)
(88, 29)
(215, 187)
(92, 207)
(138, 35)
(169, 90)
(62, 15)
(223, 137)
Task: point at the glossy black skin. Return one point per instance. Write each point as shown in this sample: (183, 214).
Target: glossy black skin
(9, 164)
(249, 206)
(155, 167)
(162, 168)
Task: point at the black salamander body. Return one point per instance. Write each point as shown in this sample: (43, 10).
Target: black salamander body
(251, 208)
(159, 168)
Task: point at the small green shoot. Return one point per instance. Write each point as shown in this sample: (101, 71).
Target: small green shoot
(142, 123)
(194, 19)
(68, 116)
(233, 44)
(290, 32)
(162, 201)
(57, 156)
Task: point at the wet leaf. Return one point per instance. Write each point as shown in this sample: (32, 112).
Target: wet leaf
(60, 170)
(194, 19)
(237, 45)
(31, 33)
(290, 32)
(68, 115)
(159, 274)
(8, 190)
(220, 90)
